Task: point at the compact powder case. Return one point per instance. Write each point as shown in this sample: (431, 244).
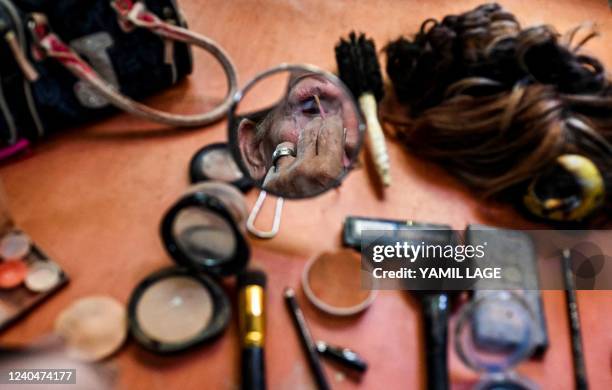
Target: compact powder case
(181, 307)
(175, 309)
(215, 162)
(332, 282)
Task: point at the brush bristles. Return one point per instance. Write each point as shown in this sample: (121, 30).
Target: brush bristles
(358, 65)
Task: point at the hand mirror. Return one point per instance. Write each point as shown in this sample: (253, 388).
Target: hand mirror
(295, 131)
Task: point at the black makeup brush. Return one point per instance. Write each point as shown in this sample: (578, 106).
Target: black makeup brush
(252, 328)
(574, 321)
(359, 69)
(435, 308)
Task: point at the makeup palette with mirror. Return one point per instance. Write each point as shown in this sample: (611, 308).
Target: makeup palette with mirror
(180, 307)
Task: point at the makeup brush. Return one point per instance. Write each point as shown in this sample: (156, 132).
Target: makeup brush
(309, 346)
(359, 69)
(435, 310)
(252, 323)
(580, 376)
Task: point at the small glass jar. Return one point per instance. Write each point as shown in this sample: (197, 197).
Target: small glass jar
(479, 344)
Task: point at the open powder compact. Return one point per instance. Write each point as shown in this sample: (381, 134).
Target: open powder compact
(332, 282)
(215, 162)
(180, 307)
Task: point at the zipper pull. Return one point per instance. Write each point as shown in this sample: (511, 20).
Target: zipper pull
(24, 64)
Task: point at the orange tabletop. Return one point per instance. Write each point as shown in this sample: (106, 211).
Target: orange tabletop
(93, 197)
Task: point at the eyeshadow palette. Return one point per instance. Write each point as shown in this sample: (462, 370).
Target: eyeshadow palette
(27, 277)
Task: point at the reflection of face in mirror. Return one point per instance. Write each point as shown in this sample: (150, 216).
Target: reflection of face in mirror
(304, 144)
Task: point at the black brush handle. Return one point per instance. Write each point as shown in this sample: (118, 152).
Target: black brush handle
(253, 369)
(574, 321)
(435, 321)
(310, 349)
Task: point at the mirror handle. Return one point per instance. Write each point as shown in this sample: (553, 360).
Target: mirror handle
(278, 212)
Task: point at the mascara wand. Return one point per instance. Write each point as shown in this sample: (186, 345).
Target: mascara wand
(360, 71)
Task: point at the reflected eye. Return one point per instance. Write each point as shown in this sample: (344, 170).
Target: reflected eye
(309, 106)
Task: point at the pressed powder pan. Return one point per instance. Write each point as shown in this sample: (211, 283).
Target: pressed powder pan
(42, 276)
(332, 282)
(14, 246)
(93, 327)
(177, 308)
(12, 273)
(215, 162)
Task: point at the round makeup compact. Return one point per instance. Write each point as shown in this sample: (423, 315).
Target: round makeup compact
(175, 309)
(180, 307)
(215, 162)
(204, 230)
(93, 327)
(332, 282)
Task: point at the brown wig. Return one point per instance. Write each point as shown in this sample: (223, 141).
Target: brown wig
(496, 104)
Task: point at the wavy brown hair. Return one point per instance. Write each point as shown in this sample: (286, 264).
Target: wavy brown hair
(496, 103)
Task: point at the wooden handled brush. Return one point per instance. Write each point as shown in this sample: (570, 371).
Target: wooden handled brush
(359, 69)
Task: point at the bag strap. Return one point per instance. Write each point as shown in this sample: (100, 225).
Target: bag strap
(131, 15)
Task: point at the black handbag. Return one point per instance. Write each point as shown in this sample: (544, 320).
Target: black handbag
(65, 62)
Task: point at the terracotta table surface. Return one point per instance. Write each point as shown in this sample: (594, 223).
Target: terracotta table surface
(93, 197)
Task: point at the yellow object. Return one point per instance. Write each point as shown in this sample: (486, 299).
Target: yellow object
(574, 208)
(252, 319)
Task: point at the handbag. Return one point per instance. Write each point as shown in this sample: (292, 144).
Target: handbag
(65, 62)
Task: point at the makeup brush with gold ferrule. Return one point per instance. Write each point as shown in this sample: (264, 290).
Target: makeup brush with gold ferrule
(251, 306)
(359, 69)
